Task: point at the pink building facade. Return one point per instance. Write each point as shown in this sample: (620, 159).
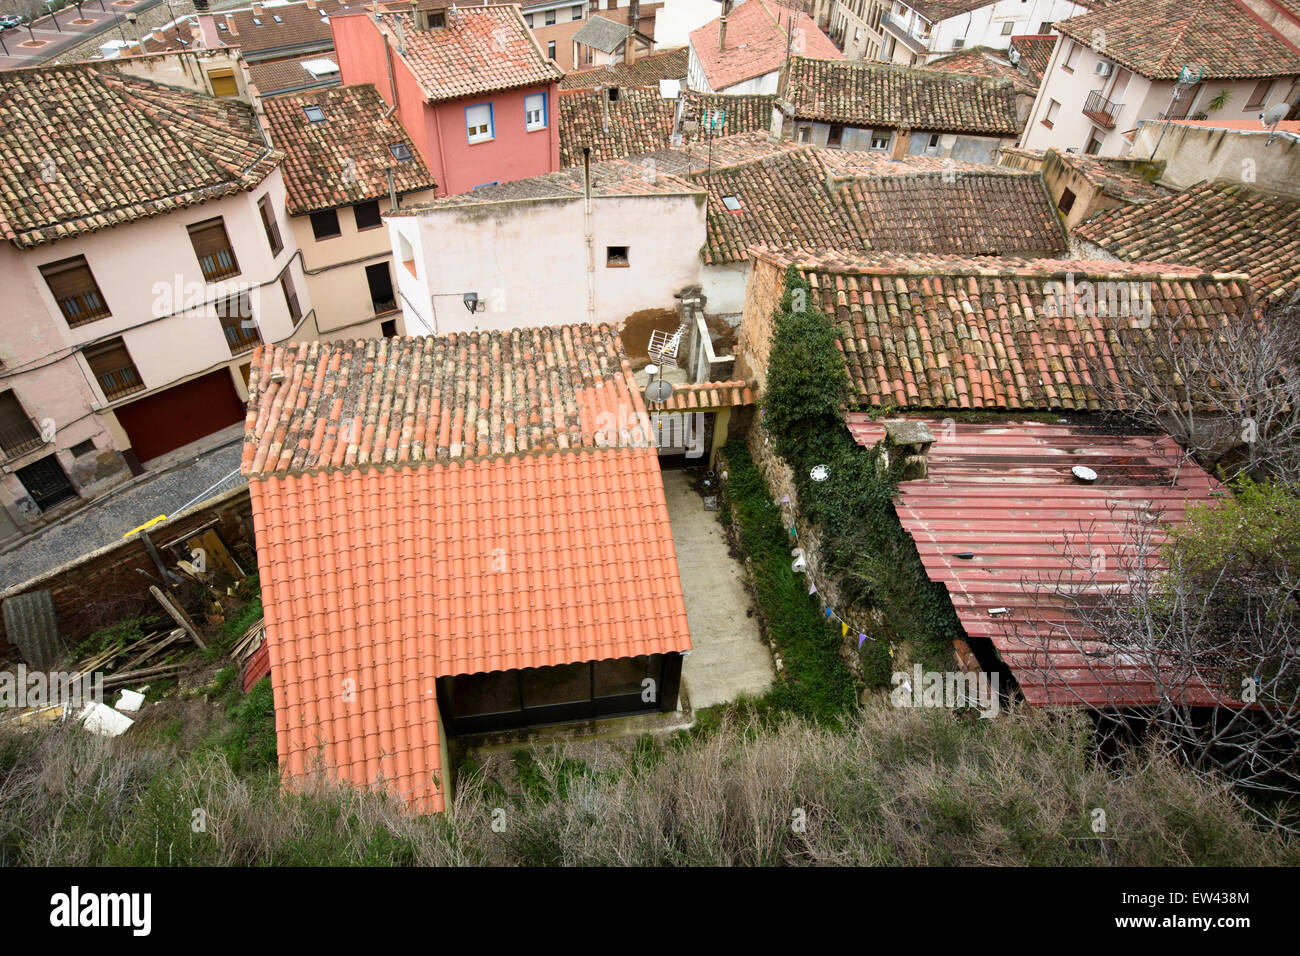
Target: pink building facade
(505, 128)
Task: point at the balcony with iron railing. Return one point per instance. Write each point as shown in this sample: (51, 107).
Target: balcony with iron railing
(1100, 110)
(910, 40)
(119, 382)
(18, 438)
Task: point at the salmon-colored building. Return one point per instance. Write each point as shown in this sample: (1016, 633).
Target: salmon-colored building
(471, 86)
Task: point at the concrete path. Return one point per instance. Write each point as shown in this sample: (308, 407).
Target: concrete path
(729, 657)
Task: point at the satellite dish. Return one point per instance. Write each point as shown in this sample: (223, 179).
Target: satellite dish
(1084, 473)
(658, 392)
(1013, 55)
(820, 472)
(1272, 116)
(1275, 113)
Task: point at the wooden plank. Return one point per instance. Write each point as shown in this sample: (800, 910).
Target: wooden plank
(178, 615)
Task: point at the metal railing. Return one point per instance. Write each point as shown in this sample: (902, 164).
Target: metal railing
(1102, 110)
(18, 439)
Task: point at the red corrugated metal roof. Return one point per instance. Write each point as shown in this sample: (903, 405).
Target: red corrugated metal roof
(1005, 493)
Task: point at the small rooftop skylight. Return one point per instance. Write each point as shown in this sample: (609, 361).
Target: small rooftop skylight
(320, 67)
(314, 113)
(400, 152)
(732, 203)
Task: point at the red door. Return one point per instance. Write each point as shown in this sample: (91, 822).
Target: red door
(182, 414)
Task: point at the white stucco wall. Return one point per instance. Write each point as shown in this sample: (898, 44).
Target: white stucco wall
(1142, 99)
(984, 26)
(527, 260)
(724, 287)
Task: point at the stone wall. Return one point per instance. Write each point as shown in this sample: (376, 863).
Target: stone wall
(754, 340)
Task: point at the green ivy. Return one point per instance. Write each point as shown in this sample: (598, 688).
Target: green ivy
(864, 548)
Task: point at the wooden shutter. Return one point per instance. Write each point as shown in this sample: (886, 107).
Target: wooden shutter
(270, 225)
(74, 289)
(223, 83)
(112, 366)
(212, 247)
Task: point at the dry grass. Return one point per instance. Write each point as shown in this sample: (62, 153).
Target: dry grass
(892, 787)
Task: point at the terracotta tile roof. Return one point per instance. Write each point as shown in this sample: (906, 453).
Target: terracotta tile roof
(646, 70)
(880, 96)
(1223, 226)
(757, 43)
(722, 151)
(1004, 494)
(851, 163)
(1156, 38)
(741, 113)
(617, 177)
(710, 395)
(487, 517)
(273, 77)
(1116, 178)
(343, 159)
(357, 562)
(639, 121)
(1035, 53)
(482, 50)
(123, 148)
(470, 395)
(299, 26)
(986, 62)
(783, 203)
(972, 214)
(948, 332)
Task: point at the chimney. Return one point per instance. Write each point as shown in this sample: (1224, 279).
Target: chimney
(311, 4)
(257, 10)
(910, 440)
(132, 19)
(206, 36)
(633, 20)
(722, 25)
(230, 26)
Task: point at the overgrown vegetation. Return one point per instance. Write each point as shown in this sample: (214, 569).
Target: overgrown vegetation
(814, 681)
(863, 546)
(902, 787)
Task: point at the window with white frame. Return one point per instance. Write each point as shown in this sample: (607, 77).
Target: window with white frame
(535, 111)
(880, 139)
(478, 122)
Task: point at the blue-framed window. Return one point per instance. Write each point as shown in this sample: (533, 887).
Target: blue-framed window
(479, 125)
(534, 111)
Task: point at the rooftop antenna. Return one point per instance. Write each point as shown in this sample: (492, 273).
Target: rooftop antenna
(1272, 116)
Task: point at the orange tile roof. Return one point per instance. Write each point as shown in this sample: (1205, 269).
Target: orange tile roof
(385, 578)
(481, 50)
(482, 515)
(699, 395)
(757, 43)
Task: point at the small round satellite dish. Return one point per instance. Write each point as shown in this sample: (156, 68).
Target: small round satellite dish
(652, 369)
(1084, 473)
(1275, 113)
(820, 473)
(658, 392)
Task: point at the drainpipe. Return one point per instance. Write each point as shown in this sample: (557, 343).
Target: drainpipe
(589, 235)
(722, 25)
